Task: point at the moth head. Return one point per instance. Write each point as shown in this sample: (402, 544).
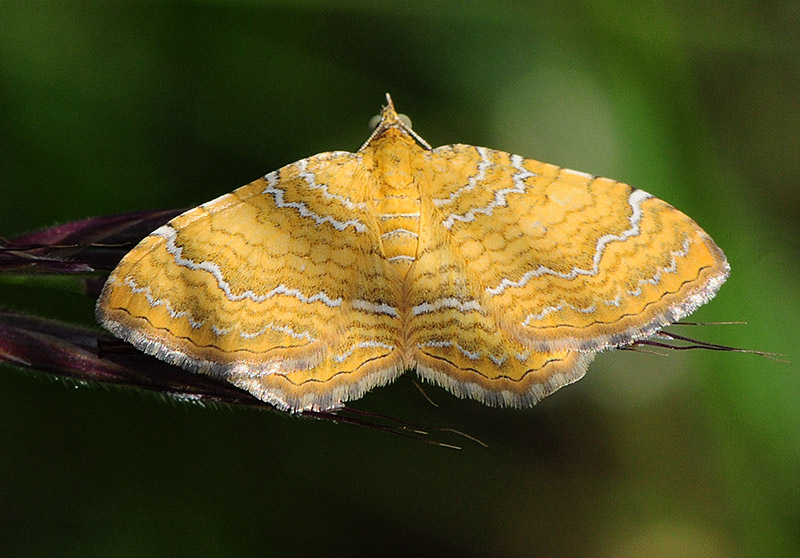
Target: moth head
(389, 118)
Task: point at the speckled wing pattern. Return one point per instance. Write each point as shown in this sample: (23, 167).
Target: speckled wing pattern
(496, 277)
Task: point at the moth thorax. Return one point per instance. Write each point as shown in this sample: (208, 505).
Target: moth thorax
(398, 220)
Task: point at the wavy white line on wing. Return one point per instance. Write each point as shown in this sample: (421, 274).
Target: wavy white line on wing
(375, 308)
(426, 307)
(550, 309)
(499, 196)
(277, 194)
(311, 180)
(497, 361)
(362, 345)
(401, 258)
(153, 301)
(218, 331)
(387, 216)
(169, 234)
(473, 180)
(635, 200)
(399, 232)
(283, 329)
(435, 343)
(671, 268)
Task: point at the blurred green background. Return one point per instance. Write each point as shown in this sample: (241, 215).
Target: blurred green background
(114, 107)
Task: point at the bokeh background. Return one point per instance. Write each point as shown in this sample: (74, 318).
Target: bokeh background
(114, 107)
